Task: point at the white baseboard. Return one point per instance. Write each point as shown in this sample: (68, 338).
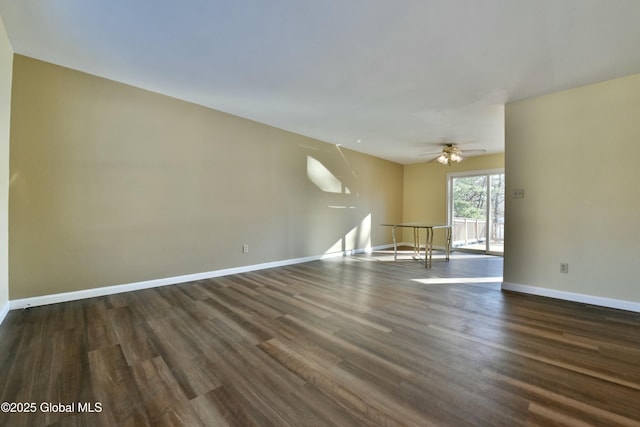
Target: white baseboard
(575, 297)
(4, 311)
(135, 286)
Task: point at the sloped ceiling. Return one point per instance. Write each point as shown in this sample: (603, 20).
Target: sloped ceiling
(392, 79)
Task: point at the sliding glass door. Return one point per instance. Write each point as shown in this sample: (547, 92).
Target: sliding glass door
(476, 210)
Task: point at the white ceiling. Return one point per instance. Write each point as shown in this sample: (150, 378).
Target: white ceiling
(398, 76)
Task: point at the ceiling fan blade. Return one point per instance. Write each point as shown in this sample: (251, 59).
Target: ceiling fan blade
(449, 149)
(480, 150)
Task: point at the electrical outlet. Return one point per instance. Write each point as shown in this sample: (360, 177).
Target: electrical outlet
(564, 267)
(245, 249)
(517, 193)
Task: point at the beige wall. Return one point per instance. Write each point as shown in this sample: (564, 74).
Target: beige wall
(6, 65)
(113, 185)
(425, 189)
(575, 154)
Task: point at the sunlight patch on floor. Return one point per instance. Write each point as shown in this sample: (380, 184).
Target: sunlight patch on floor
(451, 280)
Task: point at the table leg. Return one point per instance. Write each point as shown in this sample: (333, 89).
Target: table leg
(395, 244)
(428, 247)
(448, 242)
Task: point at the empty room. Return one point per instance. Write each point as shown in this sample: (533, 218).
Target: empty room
(417, 213)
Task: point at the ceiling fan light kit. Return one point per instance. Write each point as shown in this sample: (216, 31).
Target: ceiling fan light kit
(450, 153)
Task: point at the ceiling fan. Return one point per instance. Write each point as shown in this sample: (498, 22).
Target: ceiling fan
(451, 153)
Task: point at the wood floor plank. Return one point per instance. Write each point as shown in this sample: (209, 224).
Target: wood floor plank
(353, 341)
(163, 399)
(114, 387)
(217, 408)
(377, 408)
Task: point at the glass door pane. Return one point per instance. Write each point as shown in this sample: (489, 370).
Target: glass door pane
(496, 214)
(469, 212)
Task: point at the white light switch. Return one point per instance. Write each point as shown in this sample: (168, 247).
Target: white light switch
(517, 193)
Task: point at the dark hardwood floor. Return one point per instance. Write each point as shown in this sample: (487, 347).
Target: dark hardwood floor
(340, 342)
